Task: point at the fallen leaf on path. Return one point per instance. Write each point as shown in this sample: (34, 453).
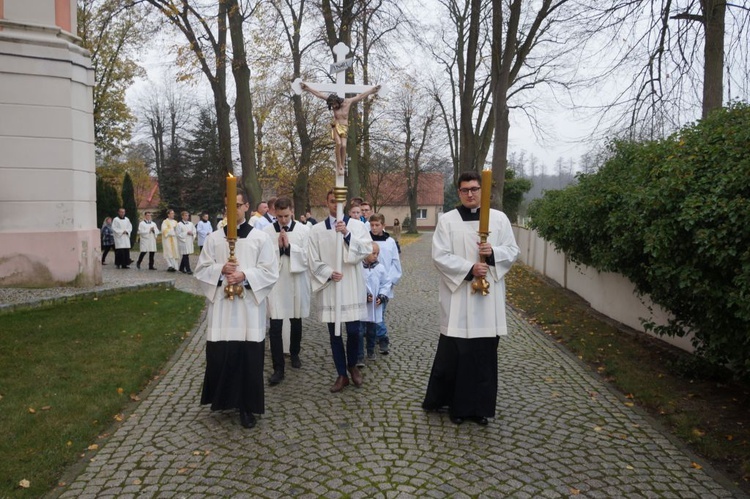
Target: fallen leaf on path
(25, 484)
(696, 466)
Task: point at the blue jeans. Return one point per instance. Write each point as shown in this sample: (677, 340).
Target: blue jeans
(343, 359)
(367, 333)
(381, 330)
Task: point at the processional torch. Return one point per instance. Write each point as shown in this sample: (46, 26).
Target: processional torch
(232, 290)
(480, 284)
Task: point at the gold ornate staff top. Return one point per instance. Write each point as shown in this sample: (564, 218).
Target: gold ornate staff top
(232, 290)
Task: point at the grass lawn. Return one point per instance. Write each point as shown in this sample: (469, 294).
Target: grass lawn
(68, 371)
(698, 403)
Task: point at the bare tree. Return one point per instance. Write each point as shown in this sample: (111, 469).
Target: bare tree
(243, 106)
(209, 51)
(680, 49)
(415, 114)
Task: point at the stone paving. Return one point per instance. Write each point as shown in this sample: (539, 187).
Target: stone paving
(559, 432)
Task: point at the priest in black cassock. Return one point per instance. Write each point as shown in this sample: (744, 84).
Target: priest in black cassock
(236, 329)
(464, 372)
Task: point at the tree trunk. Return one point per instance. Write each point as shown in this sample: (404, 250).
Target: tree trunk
(467, 152)
(713, 69)
(243, 106)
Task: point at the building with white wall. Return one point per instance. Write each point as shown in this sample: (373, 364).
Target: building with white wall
(48, 232)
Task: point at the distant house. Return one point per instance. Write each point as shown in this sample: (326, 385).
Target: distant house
(148, 198)
(387, 195)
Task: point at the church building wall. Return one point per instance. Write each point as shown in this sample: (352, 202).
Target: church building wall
(48, 231)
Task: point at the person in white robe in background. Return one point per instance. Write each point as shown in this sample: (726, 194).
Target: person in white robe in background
(357, 244)
(236, 328)
(464, 372)
(122, 228)
(202, 229)
(169, 245)
(147, 232)
(290, 297)
(267, 218)
(186, 241)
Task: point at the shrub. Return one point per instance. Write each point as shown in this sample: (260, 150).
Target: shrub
(674, 217)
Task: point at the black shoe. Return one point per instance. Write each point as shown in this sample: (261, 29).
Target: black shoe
(276, 378)
(480, 420)
(189, 272)
(125, 267)
(138, 266)
(247, 420)
(456, 420)
(171, 269)
(152, 268)
(296, 363)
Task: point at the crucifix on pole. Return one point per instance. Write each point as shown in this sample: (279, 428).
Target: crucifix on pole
(339, 104)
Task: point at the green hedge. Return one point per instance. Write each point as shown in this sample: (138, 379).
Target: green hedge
(674, 217)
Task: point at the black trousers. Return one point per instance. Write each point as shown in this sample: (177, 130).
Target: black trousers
(277, 342)
(106, 252)
(122, 257)
(185, 263)
(150, 258)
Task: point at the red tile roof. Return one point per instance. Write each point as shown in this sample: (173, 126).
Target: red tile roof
(390, 190)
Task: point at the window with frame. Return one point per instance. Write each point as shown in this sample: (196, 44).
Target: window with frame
(421, 214)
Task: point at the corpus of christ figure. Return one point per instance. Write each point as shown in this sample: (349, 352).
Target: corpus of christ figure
(340, 123)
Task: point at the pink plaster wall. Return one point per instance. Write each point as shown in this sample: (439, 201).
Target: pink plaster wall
(43, 259)
(62, 15)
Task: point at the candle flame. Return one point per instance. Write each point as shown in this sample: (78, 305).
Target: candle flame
(231, 176)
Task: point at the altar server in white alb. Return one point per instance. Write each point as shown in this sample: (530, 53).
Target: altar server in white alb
(236, 329)
(147, 232)
(202, 229)
(290, 297)
(169, 241)
(186, 241)
(324, 237)
(122, 228)
(464, 372)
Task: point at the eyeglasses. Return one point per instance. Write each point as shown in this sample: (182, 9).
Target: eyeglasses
(466, 190)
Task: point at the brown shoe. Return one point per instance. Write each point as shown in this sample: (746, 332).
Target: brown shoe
(356, 376)
(340, 384)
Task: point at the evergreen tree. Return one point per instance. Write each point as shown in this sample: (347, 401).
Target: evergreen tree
(107, 200)
(128, 202)
(172, 182)
(206, 181)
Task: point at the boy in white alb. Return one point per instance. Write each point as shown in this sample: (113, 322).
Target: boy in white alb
(378, 284)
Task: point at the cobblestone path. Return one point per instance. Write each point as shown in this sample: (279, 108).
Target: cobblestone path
(559, 431)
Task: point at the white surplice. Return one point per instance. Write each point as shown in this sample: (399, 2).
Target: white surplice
(322, 263)
(147, 231)
(122, 229)
(454, 252)
(186, 237)
(240, 319)
(290, 297)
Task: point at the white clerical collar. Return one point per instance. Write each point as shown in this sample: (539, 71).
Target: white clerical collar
(474, 210)
(332, 219)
